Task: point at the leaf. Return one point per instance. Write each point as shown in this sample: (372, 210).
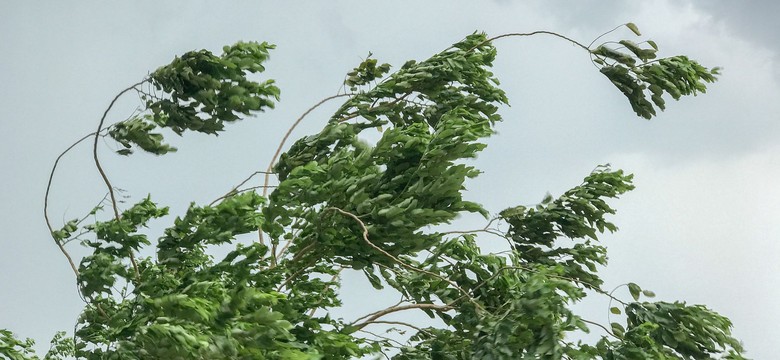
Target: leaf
(633, 28)
(652, 44)
(373, 279)
(617, 329)
(615, 310)
(648, 293)
(635, 290)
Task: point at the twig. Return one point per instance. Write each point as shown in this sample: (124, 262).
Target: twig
(604, 34)
(386, 338)
(419, 329)
(601, 326)
(332, 279)
(292, 276)
(235, 188)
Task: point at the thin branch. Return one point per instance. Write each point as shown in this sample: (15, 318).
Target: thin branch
(357, 113)
(601, 326)
(371, 318)
(271, 164)
(100, 168)
(234, 190)
(419, 329)
(382, 337)
(575, 42)
(609, 306)
(518, 267)
(332, 279)
(397, 260)
(46, 203)
(292, 276)
(604, 34)
(289, 132)
(284, 249)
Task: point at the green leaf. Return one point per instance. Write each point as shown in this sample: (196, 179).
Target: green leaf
(635, 290)
(615, 310)
(653, 44)
(633, 28)
(617, 329)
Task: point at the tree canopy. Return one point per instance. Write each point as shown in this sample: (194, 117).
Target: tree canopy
(336, 201)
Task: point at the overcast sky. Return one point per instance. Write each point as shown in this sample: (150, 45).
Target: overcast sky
(702, 225)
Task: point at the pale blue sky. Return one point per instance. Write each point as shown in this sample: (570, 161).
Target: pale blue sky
(701, 225)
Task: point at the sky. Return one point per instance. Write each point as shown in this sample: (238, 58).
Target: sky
(701, 226)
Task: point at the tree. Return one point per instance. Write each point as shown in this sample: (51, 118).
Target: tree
(344, 204)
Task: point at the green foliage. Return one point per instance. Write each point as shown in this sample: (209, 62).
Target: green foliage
(13, 349)
(343, 204)
(638, 74)
(200, 92)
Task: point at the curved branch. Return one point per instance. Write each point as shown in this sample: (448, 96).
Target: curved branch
(95, 144)
(46, 202)
(278, 152)
(518, 267)
(601, 326)
(385, 338)
(271, 164)
(399, 261)
(234, 190)
(604, 34)
(371, 318)
(575, 42)
(387, 322)
(100, 168)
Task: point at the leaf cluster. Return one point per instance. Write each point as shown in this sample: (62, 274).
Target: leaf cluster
(200, 92)
(636, 72)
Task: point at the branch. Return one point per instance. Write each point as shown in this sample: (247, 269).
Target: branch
(371, 318)
(332, 279)
(234, 190)
(575, 42)
(281, 145)
(518, 267)
(604, 34)
(357, 113)
(289, 132)
(419, 329)
(487, 229)
(100, 168)
(399, 261)
(388, 339)
(601, 326)
(293, 276)
(46, 202)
